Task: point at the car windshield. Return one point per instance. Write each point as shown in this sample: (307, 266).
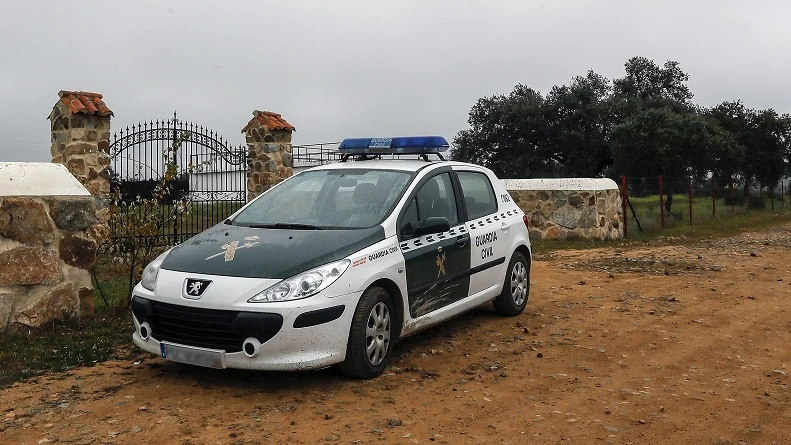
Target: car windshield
(327, 199)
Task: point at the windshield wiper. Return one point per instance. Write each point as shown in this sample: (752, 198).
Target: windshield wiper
(294, 226)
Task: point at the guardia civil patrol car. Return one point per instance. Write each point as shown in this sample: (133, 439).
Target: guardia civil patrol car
(335, 264)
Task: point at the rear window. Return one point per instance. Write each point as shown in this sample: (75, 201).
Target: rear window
(478, 194)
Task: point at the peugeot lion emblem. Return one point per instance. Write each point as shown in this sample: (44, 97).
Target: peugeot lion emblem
(194, 288)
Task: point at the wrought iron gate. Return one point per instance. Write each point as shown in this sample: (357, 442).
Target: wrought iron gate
(213, 178)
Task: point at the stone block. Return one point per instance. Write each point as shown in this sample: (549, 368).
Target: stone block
(27, 265)
(588, 218)
(98, 187)
(575, 201)
(25, 220)
(77, 133)
(282, 135)
(91, 136)
(79, 148)
(552, 233)
(547, 209)
(568, 217)
(270, 166)
(271, 148)
(77, 251)
(77, 122)
(56, 304)
(77, 167)
(6, 304)
(60, 123)
(87, 302)
(73, 214)
(287, 160)
(269, 138)
(57, 149)
(103, 146)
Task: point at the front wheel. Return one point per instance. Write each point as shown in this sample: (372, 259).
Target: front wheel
(370, 336)
(516, 288)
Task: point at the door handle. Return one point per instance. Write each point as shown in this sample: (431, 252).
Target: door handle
(504, 226)
(461, 240)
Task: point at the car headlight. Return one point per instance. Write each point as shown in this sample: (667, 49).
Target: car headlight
(151, 271)
(303, 285)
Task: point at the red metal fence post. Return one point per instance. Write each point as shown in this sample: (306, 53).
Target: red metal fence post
(690, 200)
(713, 198)
(623, 204)
(661, 203)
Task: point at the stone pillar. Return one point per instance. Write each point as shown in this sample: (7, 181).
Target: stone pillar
(269, 159)
(81, 138)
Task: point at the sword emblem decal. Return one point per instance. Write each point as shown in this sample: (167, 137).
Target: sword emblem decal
(229, 250)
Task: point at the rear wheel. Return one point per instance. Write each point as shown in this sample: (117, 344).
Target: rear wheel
(370, 337)
(516, 288)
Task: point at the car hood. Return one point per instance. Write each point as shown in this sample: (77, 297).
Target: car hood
(266, 253)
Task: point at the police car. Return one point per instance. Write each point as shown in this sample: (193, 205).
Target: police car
(336, 263)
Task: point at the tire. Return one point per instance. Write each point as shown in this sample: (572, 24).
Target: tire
(516, 287)
(370, 336)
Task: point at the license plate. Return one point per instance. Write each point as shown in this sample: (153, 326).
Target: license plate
(190, 355)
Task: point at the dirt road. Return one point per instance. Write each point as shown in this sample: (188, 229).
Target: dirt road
(652, 344)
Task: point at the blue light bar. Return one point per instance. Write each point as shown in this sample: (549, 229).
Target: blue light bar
(397, 145)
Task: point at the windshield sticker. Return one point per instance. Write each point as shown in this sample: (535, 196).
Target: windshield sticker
(229, 250)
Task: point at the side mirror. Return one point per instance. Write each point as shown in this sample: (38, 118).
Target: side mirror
(432, 224)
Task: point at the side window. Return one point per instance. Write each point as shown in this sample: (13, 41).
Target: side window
(435, 198)
(478, 194)
(409, 220)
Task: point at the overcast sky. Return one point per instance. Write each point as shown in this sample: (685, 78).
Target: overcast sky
(337, 69)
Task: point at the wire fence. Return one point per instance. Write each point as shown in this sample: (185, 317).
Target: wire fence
(665, 201)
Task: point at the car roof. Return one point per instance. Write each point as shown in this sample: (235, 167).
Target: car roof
(410, 165)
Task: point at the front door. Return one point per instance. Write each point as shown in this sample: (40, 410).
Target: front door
(437, 265)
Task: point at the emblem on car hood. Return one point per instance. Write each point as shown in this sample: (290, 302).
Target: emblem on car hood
(194, 288)
(229, 250)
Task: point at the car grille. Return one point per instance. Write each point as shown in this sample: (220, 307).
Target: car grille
(205, 328)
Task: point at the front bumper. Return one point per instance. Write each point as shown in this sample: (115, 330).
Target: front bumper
(309, 335)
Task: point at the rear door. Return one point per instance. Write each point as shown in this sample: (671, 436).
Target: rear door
(437, 265)
(488, 229)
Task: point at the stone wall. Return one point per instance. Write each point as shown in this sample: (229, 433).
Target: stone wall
(569, 208)
(269, 159)
(46, 251)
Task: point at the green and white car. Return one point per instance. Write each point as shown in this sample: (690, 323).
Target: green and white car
(335, 264)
